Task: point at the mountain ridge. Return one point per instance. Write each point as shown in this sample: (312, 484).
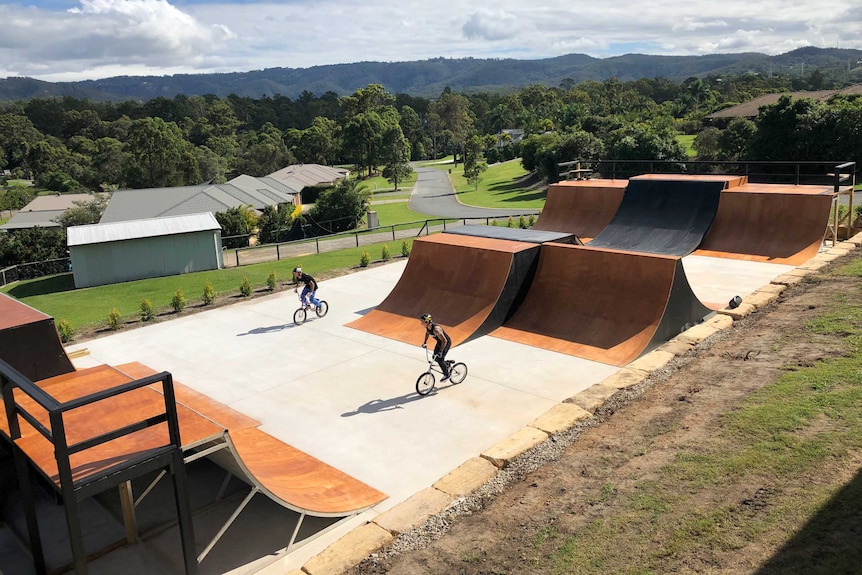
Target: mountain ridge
(428, 78)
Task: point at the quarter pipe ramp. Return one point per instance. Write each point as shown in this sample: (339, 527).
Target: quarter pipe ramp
(582, 208)
(469, 284)
(604, 305)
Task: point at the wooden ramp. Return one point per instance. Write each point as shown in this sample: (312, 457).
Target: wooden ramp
(29, 341)
(582, 208)
(288, 476)
(782, 224)
(469, 284)
(605, 305)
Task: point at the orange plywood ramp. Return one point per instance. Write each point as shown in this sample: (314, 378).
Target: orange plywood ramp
(29, 341)
(470, 285)
(292, 478)
(582, 207)
(604, 305)
(100, 418)
(296, 479)
(782, 224)
(730, 180)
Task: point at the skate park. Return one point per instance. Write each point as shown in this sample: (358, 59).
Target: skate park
(338, 390)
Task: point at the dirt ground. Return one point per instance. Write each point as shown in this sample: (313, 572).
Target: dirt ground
(638, 432)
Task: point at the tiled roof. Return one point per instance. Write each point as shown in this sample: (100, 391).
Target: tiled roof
(751, 108)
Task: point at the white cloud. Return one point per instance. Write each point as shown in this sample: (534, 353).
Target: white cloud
(491, 26)
(98, 38)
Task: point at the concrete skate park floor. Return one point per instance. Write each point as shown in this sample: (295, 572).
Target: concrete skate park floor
(348, 397)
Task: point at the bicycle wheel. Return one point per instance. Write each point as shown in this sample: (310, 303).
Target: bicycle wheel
(425, 383)
(323, 309)
(299, 316)
(457, 373)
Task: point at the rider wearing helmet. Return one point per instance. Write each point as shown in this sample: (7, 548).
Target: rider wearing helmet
(309, 292)
(444, 342)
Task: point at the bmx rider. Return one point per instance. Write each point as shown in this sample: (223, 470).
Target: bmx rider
(309, 291)
(441, 348)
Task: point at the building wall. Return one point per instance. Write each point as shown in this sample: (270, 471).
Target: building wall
(115, 262)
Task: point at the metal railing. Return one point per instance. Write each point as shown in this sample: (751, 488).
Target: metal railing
(30, 270)
(352, 239)
(168, 455)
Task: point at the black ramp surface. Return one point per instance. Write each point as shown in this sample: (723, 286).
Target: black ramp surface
(667, 217)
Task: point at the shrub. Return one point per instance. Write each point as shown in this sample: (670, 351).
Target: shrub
(364, 259)
(65, 330)
(405, 248)
(209, 294)
(178, 302)
(115, 320)
(271, 281)
(148, 312)
(384, 254)
(510, 223)
(522, 223)
(245, 287)
(494, 222)
(531, 220)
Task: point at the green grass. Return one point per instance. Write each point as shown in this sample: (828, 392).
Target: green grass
(397, 213)
(498, 188)
(379, 184)
(687, 142)
(779, 438)
(87, 307)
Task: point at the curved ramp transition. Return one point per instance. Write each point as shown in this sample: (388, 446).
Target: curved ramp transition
(604, 305)
(470, 285)
(662, 216)
(782, 224)
(582, 207)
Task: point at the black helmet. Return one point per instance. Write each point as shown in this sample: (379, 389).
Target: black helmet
(426, 317)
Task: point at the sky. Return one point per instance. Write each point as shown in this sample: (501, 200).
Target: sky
(71, 40)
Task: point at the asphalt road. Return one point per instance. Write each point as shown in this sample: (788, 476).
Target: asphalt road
(433, 195)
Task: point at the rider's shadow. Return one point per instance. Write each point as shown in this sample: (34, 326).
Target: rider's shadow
(267, 329)
(378, 405)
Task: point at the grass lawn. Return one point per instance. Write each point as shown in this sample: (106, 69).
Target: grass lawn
(89, 307)
(499, 187)
(687, 142)
(379, 184)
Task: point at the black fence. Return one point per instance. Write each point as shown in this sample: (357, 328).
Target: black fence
(34, 270)
(832, 173)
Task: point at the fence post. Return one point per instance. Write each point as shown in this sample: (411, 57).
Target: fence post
(317, 244)
(236, 253)
(393, 233)
(356, 235)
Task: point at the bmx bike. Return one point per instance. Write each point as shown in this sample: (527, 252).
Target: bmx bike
(426, 382)
(300, 315)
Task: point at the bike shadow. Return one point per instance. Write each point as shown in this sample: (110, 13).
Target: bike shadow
(269, 329)
(378, 405)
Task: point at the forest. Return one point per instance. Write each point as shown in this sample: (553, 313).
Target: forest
(76, 145)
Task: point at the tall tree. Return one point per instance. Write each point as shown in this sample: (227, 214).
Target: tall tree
(156, 149)
(396, 156)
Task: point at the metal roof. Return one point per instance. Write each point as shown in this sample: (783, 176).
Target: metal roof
(24, 220)
(309, 174)
(134, 229)
(56, 202)
(157, 202)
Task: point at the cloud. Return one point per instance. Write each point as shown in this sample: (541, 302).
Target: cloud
(492, 26)
(108, 33)
(100, 38)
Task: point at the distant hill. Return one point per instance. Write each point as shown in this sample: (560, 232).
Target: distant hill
(428, 78)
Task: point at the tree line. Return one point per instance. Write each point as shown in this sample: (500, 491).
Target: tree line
(68, 144)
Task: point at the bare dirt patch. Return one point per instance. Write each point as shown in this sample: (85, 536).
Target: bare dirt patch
(519, 527)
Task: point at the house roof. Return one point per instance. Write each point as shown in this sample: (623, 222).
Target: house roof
(751, 108)
(243, 190)
(24, 220)
(134, 229)
(56, 202)
(304, 175)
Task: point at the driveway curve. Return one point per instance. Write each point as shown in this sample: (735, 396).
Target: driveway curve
(433, 195)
